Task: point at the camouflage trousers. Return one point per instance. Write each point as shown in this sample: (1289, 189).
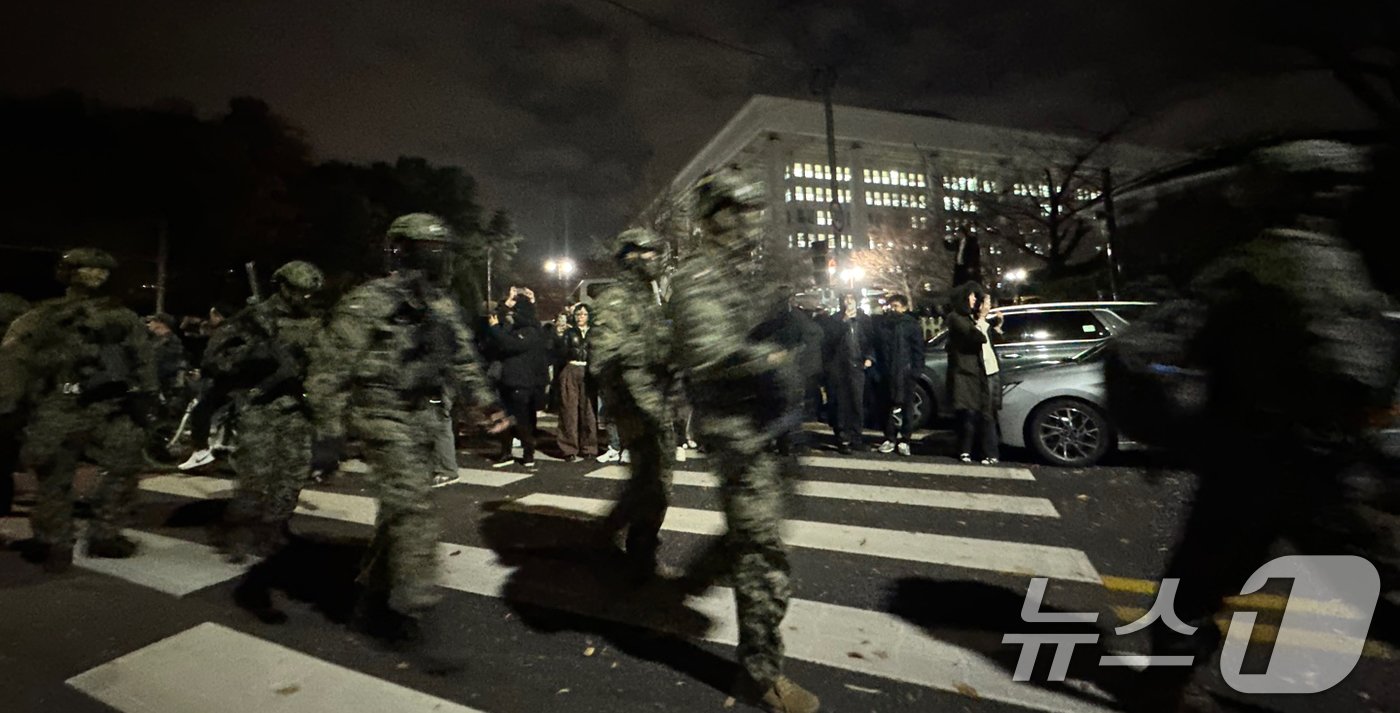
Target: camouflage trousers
(61, 433)
(754, 494)
(273, 462)
(641, 508)
(402, 563)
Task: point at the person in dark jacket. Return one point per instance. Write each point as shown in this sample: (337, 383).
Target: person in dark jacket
(792, 328)
(902, 355)
(848, 352)
(523, 348)
(972, 372)
(578, 398)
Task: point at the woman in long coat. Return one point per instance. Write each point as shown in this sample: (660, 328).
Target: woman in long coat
(973, 372)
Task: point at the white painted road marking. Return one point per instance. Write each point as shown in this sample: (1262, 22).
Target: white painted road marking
(213, 669)
(167, 564)
(845, 638)
(1017, 558)
(317, 503)
(1000, 472)
(952, 500)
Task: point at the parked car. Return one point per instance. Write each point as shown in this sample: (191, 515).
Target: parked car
(1058, 410)
(1031, 334)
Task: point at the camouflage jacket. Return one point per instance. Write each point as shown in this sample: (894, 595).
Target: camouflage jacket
(631, 351)
(715, 308)
(265, 348)
(89, 346)
(389, 343)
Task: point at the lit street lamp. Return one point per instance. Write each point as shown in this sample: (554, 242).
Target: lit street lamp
(1016, 278)
(852, 275)
(561, 268)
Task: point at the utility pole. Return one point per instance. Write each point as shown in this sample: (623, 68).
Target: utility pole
(824, 80)
(162, 259)
(1111, 230)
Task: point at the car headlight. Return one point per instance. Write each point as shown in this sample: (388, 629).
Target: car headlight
(1007, 386)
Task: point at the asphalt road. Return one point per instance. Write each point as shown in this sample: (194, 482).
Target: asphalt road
(907, 572)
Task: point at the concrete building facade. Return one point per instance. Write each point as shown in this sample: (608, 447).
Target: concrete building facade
(897, 174)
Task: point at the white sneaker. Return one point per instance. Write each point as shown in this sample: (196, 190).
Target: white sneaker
(197, 459)
(904, 449)
(887, 447)
(515, 443)
(989, 461)
(610, 456)
(692, 445)
(966, 457)
(441, 479)
(626, 456)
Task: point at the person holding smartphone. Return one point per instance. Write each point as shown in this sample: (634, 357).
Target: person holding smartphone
(973, 373)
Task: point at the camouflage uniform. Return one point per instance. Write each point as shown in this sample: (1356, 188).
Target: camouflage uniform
(82, 361)
(631, 361)
(734, 382)
(269, 345)
(1280, 438)
(391, 348)
(11, 307)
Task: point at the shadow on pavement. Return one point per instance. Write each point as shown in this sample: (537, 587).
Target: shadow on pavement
(975, 616)
(567, 579)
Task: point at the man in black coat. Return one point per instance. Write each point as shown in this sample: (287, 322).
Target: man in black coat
(849, 351)
(902, 356)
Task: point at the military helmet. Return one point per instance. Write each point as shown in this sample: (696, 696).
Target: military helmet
(87, 257)
(639, 239)
(727, 188)
(300, 275)
(420, 227)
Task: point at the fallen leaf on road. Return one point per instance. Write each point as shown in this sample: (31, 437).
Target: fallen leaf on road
(729, 702)
(855, 655)
(401, 665)
(882, 655)
(862, 542)
(454, 553)
(288, 690)
(589, 651)
(967, 690)
(861, 689)
(614, 664)
(1081, 497)
(562, 690)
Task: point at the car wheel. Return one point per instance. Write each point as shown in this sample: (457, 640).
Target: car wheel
(923, 406)
(1069, 432)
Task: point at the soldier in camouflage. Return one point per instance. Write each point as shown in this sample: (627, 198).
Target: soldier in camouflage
(391, 349)
(268, 347)
(736, 384)
(81, 365)
(631, 361)
(11, 307)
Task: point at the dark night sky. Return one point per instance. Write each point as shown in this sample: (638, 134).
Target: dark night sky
(577, 103)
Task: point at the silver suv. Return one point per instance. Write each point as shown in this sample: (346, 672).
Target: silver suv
(1030, 334)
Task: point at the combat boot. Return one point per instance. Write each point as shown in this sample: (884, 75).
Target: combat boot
(441, 649)
(55, 559)
(783, 696)
(117, 547)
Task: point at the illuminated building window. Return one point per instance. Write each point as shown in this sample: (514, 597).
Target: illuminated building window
(923, 201)
(788, 196)
(823, 217)
(921, 183)
(797, 171)
(787, 171)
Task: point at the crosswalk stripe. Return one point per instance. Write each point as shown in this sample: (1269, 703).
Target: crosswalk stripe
(953, 500)
(1018, 558)
(490, 478)
(170, 565)
(919, 467)
(213, 669)
(317, 503)
(845, 638)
